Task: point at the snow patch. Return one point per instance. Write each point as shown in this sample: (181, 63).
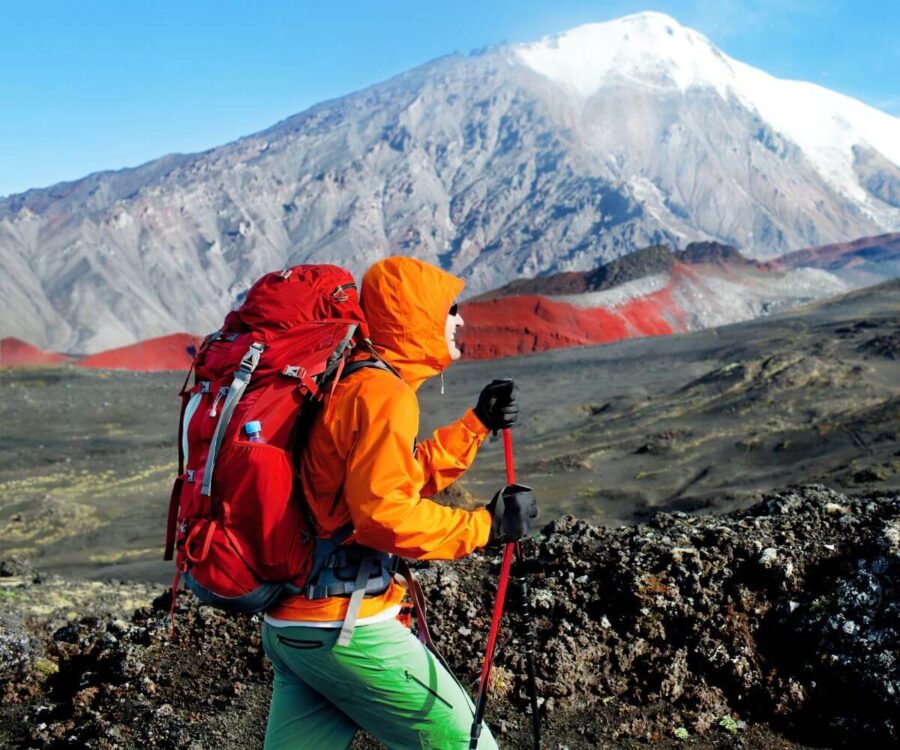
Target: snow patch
(651, 48)
(619, 295)
(712, 299)
(826, 125)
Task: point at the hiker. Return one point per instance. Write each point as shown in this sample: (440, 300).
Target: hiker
(361, 468)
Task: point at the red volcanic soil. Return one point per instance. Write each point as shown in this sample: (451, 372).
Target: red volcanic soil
(17, 353)
(833, 257)
(173, 352)
(508, 326)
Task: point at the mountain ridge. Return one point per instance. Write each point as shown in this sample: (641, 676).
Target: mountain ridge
(482, 166)
(650, 292)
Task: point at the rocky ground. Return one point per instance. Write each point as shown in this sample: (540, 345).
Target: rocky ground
(775, 626)
(701, 422)
(705, 421)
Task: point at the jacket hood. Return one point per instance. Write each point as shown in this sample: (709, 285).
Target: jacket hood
(406, 302)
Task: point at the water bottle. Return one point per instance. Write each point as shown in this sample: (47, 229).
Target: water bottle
(254, 431)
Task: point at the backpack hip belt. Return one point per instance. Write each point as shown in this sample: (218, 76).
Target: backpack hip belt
(338, 574)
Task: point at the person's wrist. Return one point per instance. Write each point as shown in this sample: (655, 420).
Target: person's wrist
(485, 524)
(496, 508)
(473, 422)
(482, 415)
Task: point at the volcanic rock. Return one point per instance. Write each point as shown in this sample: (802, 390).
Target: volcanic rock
(779, 624)
(17, 353)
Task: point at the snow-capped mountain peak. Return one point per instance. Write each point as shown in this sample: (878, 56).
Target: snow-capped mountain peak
(522, 160)
(651, 48)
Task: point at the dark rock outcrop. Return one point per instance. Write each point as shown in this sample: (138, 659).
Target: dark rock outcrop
(712, 252)
(637, 265)
(780, 623)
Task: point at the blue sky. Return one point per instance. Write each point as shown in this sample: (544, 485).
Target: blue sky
(87, 85)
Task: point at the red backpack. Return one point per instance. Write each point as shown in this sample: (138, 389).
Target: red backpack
(239, 535)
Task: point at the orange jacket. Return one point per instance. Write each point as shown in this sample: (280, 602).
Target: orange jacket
(362, 465)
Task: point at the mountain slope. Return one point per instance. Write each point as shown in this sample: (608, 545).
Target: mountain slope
(173, 352)
(494, 166)
(838, 135)
(17, 353)
(650, 292)
(863, 262)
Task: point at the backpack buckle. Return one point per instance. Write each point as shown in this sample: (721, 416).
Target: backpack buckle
(294, 371)
(340, 293)
(250, 360)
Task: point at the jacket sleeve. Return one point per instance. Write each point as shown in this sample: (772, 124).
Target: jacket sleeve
(449, 452)
(384, 481)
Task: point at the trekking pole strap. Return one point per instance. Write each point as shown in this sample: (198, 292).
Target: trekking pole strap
(235, 391)
(414, 588)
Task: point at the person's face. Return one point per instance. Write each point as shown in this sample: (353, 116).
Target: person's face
(454, 321)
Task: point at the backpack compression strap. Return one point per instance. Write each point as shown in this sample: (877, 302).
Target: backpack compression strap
(235, 391)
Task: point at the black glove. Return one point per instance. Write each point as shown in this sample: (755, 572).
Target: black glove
(498, 405)
(512, 511)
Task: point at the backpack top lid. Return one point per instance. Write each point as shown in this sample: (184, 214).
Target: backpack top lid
(300, 294)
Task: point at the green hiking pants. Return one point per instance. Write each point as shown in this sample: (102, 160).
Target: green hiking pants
(385, 682)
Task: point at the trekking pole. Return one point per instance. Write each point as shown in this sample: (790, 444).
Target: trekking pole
(528, 634)
(508, 551)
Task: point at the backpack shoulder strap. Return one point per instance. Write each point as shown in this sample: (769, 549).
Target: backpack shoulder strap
(362, 364)
(308, 412)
